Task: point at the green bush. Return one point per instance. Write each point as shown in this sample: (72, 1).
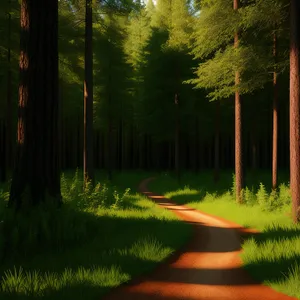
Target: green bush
(24, 234)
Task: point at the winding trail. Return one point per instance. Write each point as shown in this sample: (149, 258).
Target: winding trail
(208, 268)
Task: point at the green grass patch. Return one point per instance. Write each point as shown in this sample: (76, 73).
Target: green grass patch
(273, 256)
(100, 238)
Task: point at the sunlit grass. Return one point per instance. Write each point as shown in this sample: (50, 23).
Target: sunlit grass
(272, 257)
(36, 283)
(102, 238)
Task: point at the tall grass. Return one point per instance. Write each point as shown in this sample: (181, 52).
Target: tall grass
(101, 237)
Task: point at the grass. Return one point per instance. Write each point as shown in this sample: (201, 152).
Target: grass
(273, 256)
(101, 238)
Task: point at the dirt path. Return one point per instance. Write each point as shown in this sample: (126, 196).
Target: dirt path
(208, 268)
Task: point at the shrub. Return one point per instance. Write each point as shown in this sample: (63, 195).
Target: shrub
(249, 197)
(26, 233)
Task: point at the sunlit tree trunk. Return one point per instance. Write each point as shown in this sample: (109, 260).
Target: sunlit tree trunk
(238, 126)
(295, 109)
(36, 175)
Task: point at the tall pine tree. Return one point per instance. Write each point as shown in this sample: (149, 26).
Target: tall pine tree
(36, 177)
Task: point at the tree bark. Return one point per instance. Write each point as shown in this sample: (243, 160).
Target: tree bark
(217, 143)
(238, 126)
(36, 176)
(253, 142)
(120, 148)
(294, 109)
(8, 150)
(177, 125)
(2, 152)
(275, 120)
(88, 159)
(109, 132)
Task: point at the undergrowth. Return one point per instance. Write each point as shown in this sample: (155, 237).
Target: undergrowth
(46, 227)
(101, 237)
(272, 256)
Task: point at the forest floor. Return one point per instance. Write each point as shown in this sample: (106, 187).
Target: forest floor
(97, 241)
(110, 236)
(272, 256)
(209, 267)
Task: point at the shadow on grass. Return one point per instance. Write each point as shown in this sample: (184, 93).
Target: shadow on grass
(186, 197)
(272, 271)
(130, 242)
(277, 268)
(204, 182)
(277, 234)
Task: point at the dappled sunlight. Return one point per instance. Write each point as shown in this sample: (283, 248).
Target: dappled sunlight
(271, 256)
(156, 197)
(210, 264)
(185, 191)
(175, 291)
(135, 234)
(24, 61)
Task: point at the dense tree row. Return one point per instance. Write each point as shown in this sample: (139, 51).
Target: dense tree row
(134, 85)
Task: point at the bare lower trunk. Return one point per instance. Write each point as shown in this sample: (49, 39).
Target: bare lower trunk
(109, 132)
(217, 143)
(36, 176)
(294, 110)
(88, 167)
(2, 152)
(177, 166)
(9, 99)
(238, 127)
(275, 122)
(253, 141)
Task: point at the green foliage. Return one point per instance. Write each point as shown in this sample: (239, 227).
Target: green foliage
(213, 44)
(214, 28)
(273, 255)
(37, 284)
(233, 186)
(56, 229)
(262, 196)
(124, 235)
(248, 196)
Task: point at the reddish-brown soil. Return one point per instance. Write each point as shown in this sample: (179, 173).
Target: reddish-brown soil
(208, 268)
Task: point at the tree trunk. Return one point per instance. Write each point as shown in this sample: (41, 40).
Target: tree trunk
(120, 144)
(275, 120)
(8, 150)
(238, 126)
(177, 166)
(294, 109)
(36, 176)
(63, 145)
(88, 167)
(197, 146)
(217, 144)
(253, 141)
(2, 152)
(109, 150)
(109, 132)
(79, 149)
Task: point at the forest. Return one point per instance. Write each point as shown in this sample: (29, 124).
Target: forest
(150, 149)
